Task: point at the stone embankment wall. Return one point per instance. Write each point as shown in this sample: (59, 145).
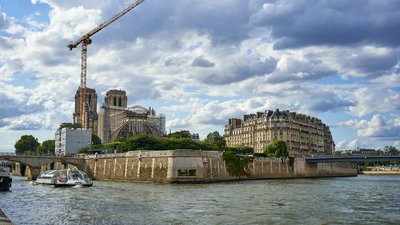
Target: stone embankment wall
(159, 166)
(16, 170)
(201, 166)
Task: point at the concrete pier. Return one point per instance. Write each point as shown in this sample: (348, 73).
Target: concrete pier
(4, 220)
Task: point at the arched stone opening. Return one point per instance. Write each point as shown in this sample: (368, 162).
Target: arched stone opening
(31, 167)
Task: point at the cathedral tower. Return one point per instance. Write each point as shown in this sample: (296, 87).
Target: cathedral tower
(91, 104)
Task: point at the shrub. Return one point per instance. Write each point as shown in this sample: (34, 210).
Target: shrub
(277, 148)
(260, 154)
(244, 150)
(236, 165)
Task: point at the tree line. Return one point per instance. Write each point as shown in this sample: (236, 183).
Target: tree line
(177, 140)
(28, 144)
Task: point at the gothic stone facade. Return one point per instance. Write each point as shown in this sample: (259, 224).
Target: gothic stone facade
(304, 135)
(92, 117)
(118, 121)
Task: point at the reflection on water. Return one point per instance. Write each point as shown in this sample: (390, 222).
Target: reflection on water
(358, 200)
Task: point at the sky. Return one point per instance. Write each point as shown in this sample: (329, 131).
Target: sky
(201, 62)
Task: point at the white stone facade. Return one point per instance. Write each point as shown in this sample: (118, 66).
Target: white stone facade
(69, 141)
(304, 135)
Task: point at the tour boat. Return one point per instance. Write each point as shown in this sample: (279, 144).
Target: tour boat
(64, 177)
(5, 177)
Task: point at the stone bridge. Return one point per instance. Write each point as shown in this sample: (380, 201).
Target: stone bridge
(35, 163)
(355, 159)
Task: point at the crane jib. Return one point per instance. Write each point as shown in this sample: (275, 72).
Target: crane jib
(85, 40)
(101, 26)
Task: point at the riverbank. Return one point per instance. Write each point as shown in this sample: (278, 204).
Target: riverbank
(386, 172)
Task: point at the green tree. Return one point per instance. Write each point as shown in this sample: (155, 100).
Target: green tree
(217, 139)
(376, 152)
(179, 134)
(26, 144)
(146, 142)
(96, 140)
(391, 150)
(338, 153)
(47, 147)
(70, 125)
(236, 165)
(277, 148)
(241, 150)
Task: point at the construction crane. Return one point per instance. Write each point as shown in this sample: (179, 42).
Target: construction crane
(85, 40)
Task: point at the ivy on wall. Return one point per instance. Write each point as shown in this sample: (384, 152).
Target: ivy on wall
(236, 165)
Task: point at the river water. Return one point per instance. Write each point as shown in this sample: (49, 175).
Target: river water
(366, 199)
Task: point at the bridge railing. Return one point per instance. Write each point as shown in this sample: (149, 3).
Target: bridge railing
(7, 153)
(23, 154)
(41, 155)
(364, 158)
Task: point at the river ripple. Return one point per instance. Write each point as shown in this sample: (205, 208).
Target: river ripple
(366, 199)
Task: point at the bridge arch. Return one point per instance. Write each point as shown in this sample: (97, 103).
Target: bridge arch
(35, 163)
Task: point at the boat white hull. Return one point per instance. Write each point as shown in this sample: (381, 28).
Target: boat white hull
(64, 178)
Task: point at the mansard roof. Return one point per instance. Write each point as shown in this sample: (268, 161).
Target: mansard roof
(284, 114)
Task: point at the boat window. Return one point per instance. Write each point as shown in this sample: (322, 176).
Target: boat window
(76, 176)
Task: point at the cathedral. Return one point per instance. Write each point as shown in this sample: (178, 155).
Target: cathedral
(91, 110)
(115, 119)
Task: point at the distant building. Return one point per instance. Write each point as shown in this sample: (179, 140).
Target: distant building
(362, 151)
(69, 141)
(116, 120)
(346, 152)
(304, 135)
(158, 121)
(195, 137)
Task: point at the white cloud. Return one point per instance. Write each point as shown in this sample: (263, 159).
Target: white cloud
(378, 127)
(348, 145)
(360, 143)
(396, 144)
(368, 100)
(205, 61)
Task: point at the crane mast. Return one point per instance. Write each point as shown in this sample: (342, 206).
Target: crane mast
(85, 40)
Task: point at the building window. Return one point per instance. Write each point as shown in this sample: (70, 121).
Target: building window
(186, 173)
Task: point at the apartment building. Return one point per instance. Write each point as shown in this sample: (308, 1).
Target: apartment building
(68, 141)
(304, 135)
